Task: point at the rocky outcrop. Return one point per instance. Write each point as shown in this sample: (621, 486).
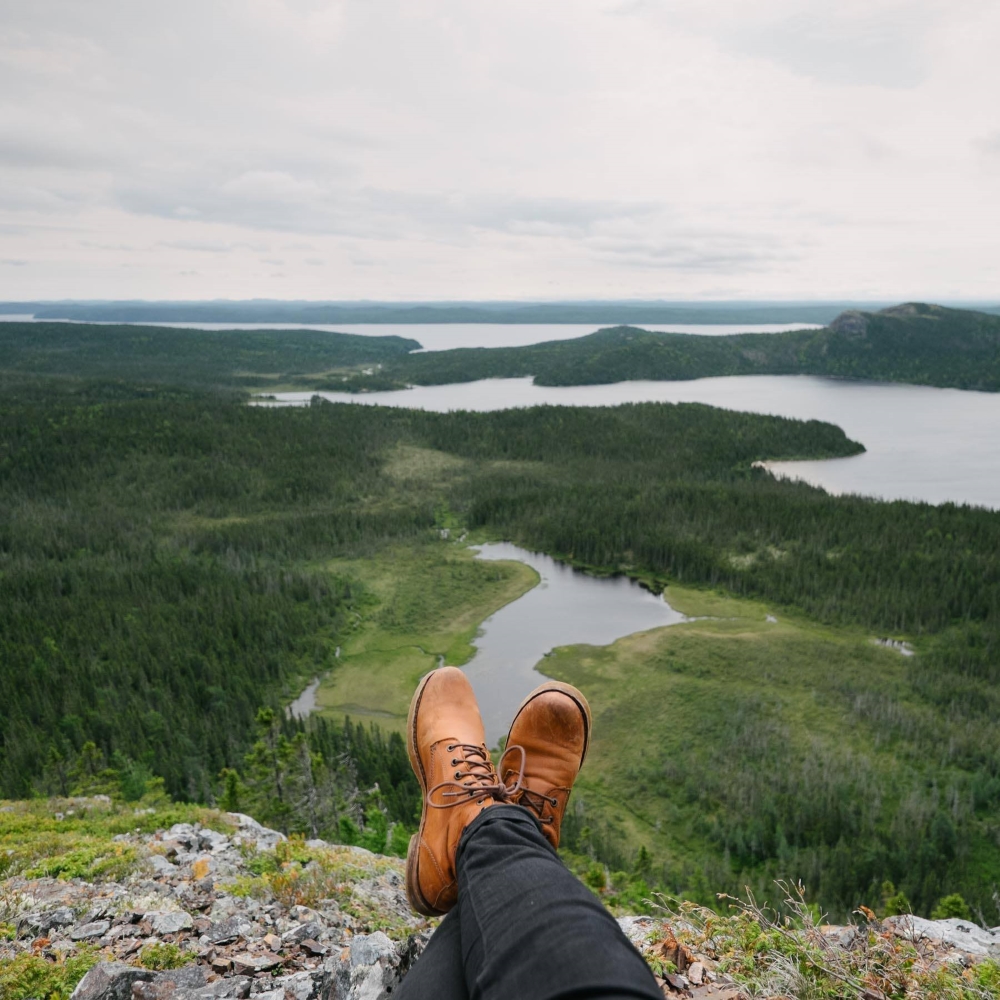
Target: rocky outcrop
(851, 323)
(196, 902)
(196, 899)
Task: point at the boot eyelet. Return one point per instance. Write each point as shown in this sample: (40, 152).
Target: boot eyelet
(451, 747)
(458, 775)
(454, 761)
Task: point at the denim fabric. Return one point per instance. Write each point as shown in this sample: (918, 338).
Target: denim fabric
(524, 927)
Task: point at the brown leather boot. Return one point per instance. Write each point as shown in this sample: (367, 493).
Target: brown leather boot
(546, 745)
(447, 747)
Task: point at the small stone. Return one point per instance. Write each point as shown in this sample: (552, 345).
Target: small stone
(272, 942)
(95, 929)
(170, 922)
(229, 930)
(312, 947)
(313, 929)
(696, 973)
(161, 866)
(246, 964)
(221, 965)
(676, 982)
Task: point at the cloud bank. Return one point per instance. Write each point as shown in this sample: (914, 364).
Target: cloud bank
(440, 149)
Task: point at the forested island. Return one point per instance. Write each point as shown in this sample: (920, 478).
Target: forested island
(173, 561)
(915, 343)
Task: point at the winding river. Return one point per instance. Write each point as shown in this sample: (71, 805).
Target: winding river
(565, 608)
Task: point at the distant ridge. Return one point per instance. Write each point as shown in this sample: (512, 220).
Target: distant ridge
(624, 312)
(913, 342)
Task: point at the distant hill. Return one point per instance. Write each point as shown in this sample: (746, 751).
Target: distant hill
(198, 357)
(914, 342)
(597, 313)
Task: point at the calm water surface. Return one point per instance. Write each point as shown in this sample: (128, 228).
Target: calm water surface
(923, 443)
(566, 607)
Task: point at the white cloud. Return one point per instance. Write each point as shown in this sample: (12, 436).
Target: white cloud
(441, 149)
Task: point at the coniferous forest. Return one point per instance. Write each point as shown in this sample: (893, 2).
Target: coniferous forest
(163, 579)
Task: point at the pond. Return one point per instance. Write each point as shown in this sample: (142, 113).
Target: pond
(565, 608)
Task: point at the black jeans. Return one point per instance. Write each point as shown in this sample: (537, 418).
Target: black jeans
(524, 927)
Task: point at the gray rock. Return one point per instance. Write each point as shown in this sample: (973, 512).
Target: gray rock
(95, 929)
(303, 932)
(962, 935)
(852, 323)
(234, 988)
(270, 995)
(637, 929)
(214, 842)
(110, 981)
(247, 964)
(251, 832)
(228, 930)
(40, 921)
(166, 984)
(369, 949)
(302, 985)
(161, 866)
(170, 921)
(63, 916)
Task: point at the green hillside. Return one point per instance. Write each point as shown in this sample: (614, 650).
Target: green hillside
(191, 357)
(921, 344)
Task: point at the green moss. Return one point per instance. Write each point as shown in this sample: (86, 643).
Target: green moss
(32, 977)
(160, 957)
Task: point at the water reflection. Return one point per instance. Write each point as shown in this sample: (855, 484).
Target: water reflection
(567, 607)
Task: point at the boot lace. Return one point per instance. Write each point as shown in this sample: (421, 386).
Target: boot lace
(527, 797)
(476, 778)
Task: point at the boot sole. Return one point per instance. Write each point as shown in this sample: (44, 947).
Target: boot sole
(413, 893)
(570, 692)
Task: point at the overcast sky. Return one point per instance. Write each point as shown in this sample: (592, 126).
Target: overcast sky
(430, 149)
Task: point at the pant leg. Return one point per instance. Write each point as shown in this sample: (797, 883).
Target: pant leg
(438, 972)
(529, 928)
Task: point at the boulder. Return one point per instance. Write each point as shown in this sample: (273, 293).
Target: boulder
(235, 988)
(166, 984)
(962, 935)
(302, 985)
(110, 981)
(251, 832)
(372, 970)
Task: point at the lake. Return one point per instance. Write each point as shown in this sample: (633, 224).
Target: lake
(444, 336)
(923, 443)
(567, 607)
